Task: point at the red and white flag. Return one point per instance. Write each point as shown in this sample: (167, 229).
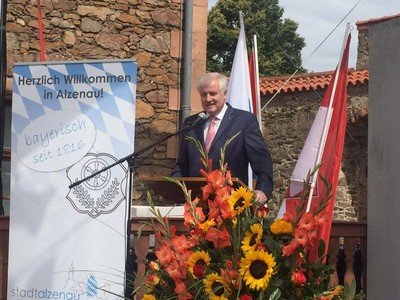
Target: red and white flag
(324, 145)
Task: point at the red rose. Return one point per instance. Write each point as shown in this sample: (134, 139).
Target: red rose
(298, 278)
(262, 212)
(198, 270)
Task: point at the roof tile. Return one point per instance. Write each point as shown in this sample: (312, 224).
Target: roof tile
(285, 84)
(365, 24)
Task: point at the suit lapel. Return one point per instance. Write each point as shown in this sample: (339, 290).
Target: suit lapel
(225, 124)
(199, 132)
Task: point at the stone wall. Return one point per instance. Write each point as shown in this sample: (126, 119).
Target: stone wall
(150, 31)
(286, 123)
(362, 49)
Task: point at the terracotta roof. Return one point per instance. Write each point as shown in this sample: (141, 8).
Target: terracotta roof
(365, 24)
(271, 85)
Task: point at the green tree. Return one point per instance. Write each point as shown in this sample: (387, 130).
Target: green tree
(279, 46)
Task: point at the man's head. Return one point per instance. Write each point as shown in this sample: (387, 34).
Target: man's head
(212, 88)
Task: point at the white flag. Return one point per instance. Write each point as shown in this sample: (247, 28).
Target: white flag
(239, 90)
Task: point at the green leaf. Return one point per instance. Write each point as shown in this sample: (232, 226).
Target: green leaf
(321, 248)
(275, 295)
(353, 287)
(279, 45)
(346, 291)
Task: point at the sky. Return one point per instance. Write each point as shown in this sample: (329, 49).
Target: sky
(318, 18)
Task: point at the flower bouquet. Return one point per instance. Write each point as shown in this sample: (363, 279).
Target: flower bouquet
(233, 249)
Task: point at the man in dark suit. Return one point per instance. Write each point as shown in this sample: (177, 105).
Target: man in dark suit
(248, 147)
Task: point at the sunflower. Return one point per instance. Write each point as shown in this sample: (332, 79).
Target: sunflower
(198, 262)
(216, 287)
(252, 237)
(257, 267)
(239, 200)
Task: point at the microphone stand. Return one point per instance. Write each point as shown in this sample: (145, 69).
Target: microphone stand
(133, 155)
(130, 264)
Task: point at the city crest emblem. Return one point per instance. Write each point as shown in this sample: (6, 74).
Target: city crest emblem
(99, 194)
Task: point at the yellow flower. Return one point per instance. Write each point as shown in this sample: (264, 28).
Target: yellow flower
(252, 237)
(216, 287)
(239, 200)
(153, 265)
(198, 262)
(153, 279)
(280, 226)
(148, 297)
(206, 225)
(257, 267)
(339, 290)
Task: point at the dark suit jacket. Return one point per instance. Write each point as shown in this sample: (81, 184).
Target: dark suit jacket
(248, 147)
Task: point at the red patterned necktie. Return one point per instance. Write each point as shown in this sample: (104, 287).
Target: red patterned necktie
(210, 133)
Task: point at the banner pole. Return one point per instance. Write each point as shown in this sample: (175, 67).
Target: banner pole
(3, 76)
(130, 261)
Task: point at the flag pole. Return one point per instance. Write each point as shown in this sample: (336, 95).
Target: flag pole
(239, 88)
(257, 82)
(327, 120)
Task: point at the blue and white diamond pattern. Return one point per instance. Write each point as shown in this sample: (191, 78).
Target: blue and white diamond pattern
(113, 114)
(91, 286)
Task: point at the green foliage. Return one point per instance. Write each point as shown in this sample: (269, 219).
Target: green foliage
(350, 292)
(279, 46)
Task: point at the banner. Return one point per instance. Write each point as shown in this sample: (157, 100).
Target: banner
(324, 144)
(69, 120)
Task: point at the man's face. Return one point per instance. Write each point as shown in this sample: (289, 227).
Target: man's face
(212, 99)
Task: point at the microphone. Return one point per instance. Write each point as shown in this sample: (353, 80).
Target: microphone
(201, 116)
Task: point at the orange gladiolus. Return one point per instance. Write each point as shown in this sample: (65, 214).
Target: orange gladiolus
(181, 243)
(301, 236)
(307, 221)
(219, 238)
(182, 291)
(289, 249)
